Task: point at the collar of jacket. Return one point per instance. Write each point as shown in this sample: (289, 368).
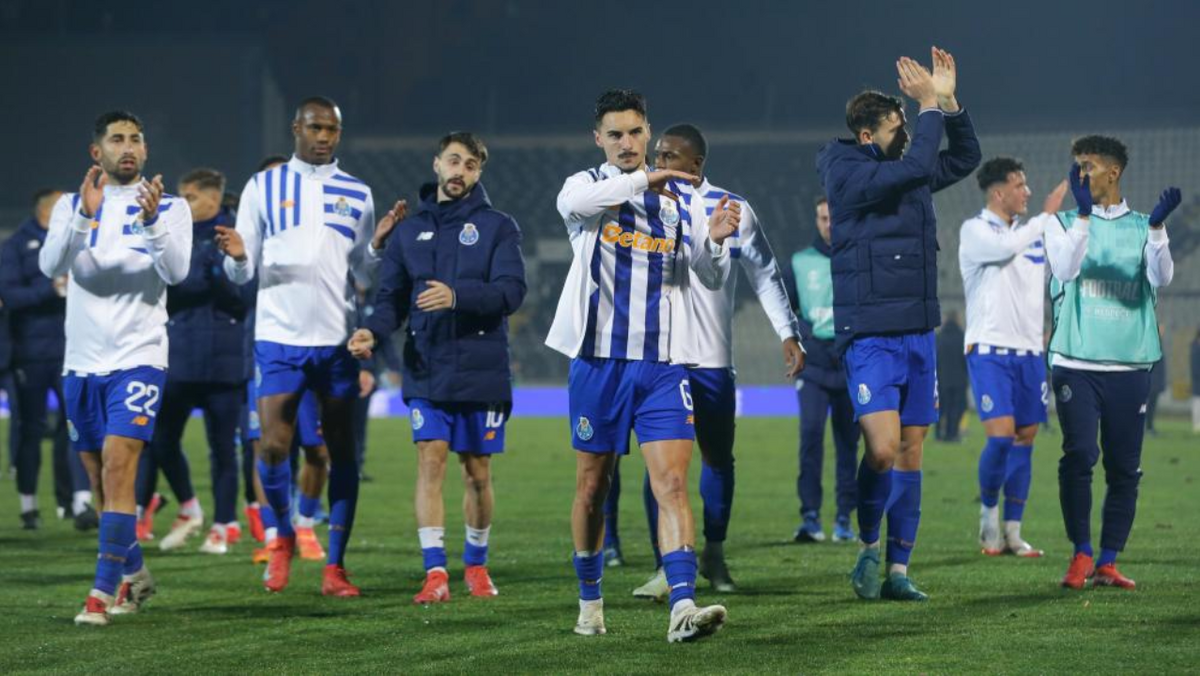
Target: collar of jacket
(319, 170)
(820, 245)
(31, 228)
(454, 210)
(223, 217)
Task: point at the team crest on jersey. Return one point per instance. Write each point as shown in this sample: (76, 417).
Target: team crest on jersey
(987, 404)
(418, 420)
(469, 235)
(668, 212)
(864, 394)
(341, 207)
(1065, 394)
(72, 432)
(253, 420)
(137, 228)
(584, 429)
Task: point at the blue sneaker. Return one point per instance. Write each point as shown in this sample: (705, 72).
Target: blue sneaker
(900, 588)
(810, 530)
(865, 576)
(842, 532)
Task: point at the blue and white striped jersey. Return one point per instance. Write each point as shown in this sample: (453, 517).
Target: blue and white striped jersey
(627, 295)
(306, 228)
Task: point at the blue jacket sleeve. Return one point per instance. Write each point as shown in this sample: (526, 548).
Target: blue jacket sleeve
(393, 299)
(16, 294)
(863, 181)
(391, 358)
(504, 290)
(962, 156)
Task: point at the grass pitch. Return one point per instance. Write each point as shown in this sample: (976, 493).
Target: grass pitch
(794, 611)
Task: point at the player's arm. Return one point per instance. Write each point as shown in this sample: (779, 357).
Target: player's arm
(166, 231)
(758, 261)
(71, 225)
(392, 304)
(367, 252)
(962, 155)
(1066, 248)
(242, 244)
(586, 195)
(16, 293)
(504, 289)
(708, 256)
(1160, 267)
(980, 244)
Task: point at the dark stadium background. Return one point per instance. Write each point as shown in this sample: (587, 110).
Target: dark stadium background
(216, 83)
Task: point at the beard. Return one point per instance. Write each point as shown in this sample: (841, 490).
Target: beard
(896, 149)
(455, 188)
(124, 174)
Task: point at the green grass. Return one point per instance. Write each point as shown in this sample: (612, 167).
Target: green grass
(794, 613)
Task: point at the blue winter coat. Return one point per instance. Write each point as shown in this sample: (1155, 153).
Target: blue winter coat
(36, 311)
(457, 355)
(884, 236)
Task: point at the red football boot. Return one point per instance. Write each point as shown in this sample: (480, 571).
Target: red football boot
(279, 567)
(435, 590)
(1108, 576)
(335, 583)
(479, 583)
(1081, 569)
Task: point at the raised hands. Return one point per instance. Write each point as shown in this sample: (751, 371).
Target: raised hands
(91, 192)
(1054, 200)
(149, 195)
(945, 80)
(916, 82)
(659, 179)
(230, 242)
(1082, 190)
(1171, 197)
(725, 219)
(387, 224)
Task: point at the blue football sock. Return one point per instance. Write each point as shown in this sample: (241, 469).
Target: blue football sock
(1107, 556)
(612, 536)
(904, 515)
(474, 555)
(716, 490)
(434, 557)
(277, 486)
(268, 517)
(651, 504)
(1019, 474)
(133, 558)
(309, 506)
(1084, 548)
(992, 462)
(118, 532)
(343, 500)
(590, 570)
(873, 490)
(680, 569)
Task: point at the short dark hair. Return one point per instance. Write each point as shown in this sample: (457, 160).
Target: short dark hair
(617, 100)
(996, 170)
(102, 122)
(43, 193)
(867, 110)
(471, 142)
(205, 179)
(318, 101)
(1106, 146)
(692, 134)
(270, 160)
(819, 200)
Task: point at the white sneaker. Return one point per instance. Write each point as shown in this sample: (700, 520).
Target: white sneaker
(135, 590)
(690, 622)
(990, 540)
(216, 542)
(95, 610)
(183, 528)
(1016, 545)
(591, 618)
(655, 588)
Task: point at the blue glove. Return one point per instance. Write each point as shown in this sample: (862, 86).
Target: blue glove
(1171, 197)
(1082, 190)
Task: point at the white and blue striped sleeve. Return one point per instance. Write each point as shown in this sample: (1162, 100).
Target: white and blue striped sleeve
(709, 260)
(365, 258)
(758, 260)
(66, 237)
(587, 194)
(168, 238)
(1160, 267)
(249, 226)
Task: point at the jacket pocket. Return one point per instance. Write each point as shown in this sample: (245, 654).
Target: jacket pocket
(897, 269)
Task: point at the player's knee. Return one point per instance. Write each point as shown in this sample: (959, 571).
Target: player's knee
(671, 487)
(881, 459)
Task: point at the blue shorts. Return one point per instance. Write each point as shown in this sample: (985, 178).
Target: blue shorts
(467, 427)
(308, 418)
(714, 394)
(609, 398)
(894, 373)
(122, 403)
(285, 369)
(1009, 383)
